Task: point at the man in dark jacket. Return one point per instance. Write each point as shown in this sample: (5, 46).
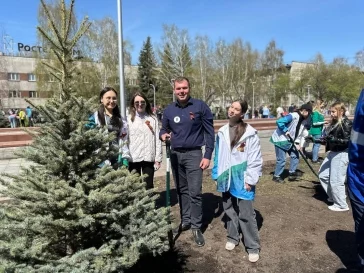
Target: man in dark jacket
(188, 123)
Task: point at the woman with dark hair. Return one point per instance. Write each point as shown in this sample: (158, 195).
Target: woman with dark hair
(108, 115)
(144, 142)
(237, 168)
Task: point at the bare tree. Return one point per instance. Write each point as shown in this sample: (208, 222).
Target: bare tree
(176, 48)
(359, 59)
(203, 69)
(222, 64)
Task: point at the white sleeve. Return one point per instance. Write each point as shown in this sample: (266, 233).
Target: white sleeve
(123, 140)
(300, 140)
(255, 160)
(158, 143)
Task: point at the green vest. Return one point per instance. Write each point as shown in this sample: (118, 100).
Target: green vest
(317, 117)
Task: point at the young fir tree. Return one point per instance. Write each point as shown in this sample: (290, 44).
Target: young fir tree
(165, 76)
(146, 67)
(66, 214)
(4, 122)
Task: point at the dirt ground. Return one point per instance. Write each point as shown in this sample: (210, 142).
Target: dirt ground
(298, 233)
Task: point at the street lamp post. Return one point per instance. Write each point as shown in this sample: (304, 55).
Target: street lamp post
(308, 92)
(253, 106)
(152, 85)
(121, 60)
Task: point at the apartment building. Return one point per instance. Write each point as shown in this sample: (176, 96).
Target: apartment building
(18, 81)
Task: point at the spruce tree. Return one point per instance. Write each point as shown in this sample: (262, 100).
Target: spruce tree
(167, 73)
(66, 214)
(186, 60)
(146, 68)
(4, 122)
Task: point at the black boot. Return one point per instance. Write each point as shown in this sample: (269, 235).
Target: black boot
(278, 179)
(293, 176)
(198, 237)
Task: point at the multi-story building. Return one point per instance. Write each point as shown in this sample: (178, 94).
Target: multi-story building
(19, 81)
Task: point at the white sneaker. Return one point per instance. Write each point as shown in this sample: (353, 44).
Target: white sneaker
(229, 246)
(253, 257)
(336, 208)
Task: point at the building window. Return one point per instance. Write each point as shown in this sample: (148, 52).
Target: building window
(13, 76)
(33, 94)
(31, 78)
(51, 78)
(132, 81)
(13, 94)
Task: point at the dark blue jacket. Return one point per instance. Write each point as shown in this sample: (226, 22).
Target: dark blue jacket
(191, 126)
(356, 152)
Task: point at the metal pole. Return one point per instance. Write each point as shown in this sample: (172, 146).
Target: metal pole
(308, 90)
(121, 60)
(253, 108)
(152, 85)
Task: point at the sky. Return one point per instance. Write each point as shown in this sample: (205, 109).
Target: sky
(302, 28)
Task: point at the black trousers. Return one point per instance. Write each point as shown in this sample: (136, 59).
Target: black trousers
(144, 167)
(187, 176)
(358, 215)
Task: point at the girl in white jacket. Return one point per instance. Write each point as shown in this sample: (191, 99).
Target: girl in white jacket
(237, 168)
(144, 143)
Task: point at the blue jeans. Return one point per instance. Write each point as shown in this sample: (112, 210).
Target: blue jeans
(12, 120)
(315, 148)
(281, 159)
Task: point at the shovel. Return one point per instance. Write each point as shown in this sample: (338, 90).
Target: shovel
(168, 191)
(303, 156)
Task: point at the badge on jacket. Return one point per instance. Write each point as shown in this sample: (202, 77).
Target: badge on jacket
(241, 147)
(177, 119)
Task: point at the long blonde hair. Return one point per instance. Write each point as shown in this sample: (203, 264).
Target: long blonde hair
(317, 106)
(340, 108)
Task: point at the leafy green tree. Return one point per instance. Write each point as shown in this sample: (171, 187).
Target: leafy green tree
(345, 83)
(66, 213)
(282, 87)
(336, 81)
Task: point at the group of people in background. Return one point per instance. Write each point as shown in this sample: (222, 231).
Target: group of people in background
(20, 117)
(237, 165)
(344, 160)
(294, 133)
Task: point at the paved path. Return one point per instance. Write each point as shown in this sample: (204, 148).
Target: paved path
(12, 166)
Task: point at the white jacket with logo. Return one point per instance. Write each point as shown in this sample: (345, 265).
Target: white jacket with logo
(144, 142)
(239, 165)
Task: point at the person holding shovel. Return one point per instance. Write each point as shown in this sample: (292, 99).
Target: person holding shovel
(237, 168)
(289, 127)
(188, 123)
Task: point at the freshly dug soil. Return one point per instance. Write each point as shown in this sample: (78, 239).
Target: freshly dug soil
(298, 233)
